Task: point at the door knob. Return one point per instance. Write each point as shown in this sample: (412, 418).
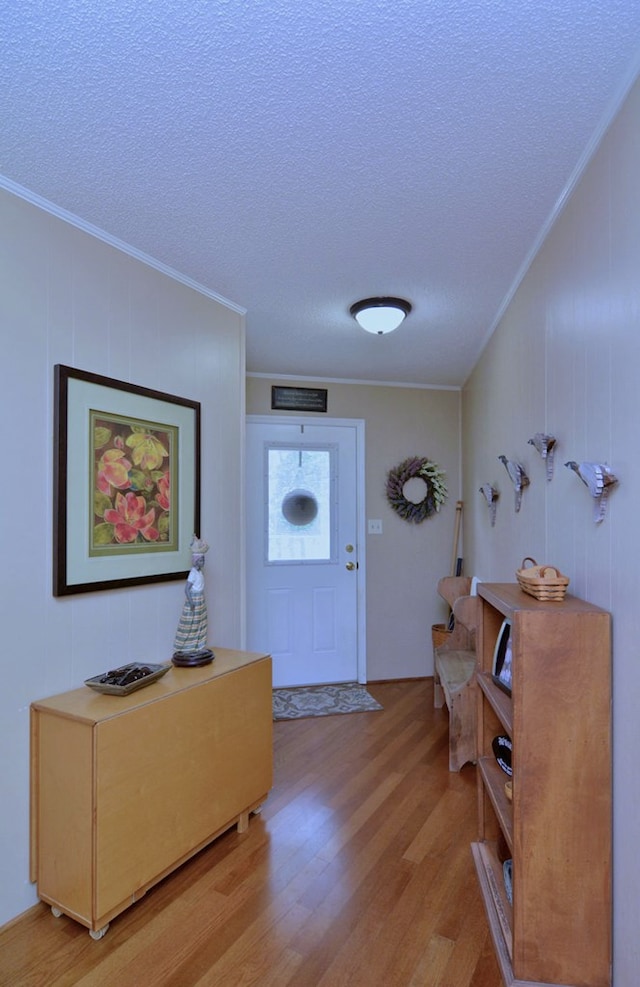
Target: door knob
(350, 566)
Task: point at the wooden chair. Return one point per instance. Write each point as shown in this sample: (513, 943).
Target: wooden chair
(454, 672)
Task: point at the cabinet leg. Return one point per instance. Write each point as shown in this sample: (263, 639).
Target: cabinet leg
(243, 822)
(55, 912)
(99, 933)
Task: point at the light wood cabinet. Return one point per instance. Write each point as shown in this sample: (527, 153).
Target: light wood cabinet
(557, 828)
(124, 789)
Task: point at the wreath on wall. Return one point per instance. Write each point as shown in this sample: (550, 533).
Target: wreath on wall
(436, 494)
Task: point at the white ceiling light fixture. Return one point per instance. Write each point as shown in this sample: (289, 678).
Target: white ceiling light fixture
(380, 315)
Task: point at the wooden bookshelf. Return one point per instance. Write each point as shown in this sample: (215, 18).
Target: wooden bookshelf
(557, 828)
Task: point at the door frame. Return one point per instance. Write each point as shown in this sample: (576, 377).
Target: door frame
(361, 596)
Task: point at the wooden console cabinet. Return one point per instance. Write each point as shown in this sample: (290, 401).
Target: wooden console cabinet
(124, 789)
(557, 829)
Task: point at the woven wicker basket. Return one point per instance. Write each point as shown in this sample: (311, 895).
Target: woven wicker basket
(440, 634)
(544, 582)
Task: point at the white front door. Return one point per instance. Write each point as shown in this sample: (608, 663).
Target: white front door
(305, 575)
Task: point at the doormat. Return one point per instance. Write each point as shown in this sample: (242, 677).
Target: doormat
(322, 700)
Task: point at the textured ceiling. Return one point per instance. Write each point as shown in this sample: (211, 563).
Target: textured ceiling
(297, 155)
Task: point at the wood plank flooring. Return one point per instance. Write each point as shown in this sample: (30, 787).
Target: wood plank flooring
(357, 873)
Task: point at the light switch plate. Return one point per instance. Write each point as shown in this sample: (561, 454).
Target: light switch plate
(374, 527)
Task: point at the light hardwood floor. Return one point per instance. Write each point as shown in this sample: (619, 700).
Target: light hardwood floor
(357, 872)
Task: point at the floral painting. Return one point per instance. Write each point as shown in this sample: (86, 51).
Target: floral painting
(134, 481)
(126, 483)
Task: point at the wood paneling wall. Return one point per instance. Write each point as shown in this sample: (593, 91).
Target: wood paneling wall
(69, 297)
(565, 359)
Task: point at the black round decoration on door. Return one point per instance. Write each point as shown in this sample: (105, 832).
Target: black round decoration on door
(299, 507)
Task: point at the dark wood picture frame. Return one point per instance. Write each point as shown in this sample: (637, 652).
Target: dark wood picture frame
(146, 485)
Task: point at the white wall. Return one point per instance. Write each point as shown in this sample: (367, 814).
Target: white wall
(405, 562)
(566, 359)
(66, 297)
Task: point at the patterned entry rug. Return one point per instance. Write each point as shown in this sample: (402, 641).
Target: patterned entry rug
(322, 700)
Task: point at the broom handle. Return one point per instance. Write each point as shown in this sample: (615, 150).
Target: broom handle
(456, 537)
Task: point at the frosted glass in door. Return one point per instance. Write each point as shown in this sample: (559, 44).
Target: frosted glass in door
(300, 504)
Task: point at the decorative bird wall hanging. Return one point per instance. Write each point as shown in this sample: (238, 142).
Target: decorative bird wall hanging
(491, 496)
(518, 477)
(598, 479)
(545, 444)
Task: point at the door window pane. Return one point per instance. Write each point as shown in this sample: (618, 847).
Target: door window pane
(300, 509)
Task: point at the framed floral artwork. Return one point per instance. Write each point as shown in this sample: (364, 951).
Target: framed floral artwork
(126, 483)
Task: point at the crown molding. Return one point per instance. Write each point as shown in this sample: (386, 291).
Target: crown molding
(350, 381)
(609, 115)
(112, 241)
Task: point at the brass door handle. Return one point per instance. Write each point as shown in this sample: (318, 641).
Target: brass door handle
(350, 566)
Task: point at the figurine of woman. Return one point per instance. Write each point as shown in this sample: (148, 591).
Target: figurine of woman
(191, 636)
